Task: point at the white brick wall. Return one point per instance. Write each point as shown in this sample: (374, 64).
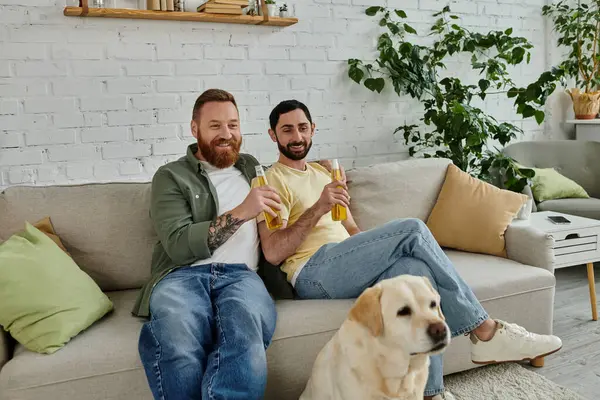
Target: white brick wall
(108, 100)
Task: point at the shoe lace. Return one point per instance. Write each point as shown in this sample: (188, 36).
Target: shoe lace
(515, 331)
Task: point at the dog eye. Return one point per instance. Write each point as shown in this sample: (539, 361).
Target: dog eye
(404, 312)
(433, 304)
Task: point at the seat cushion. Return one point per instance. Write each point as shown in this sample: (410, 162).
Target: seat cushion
(588, 208)
(100, 363)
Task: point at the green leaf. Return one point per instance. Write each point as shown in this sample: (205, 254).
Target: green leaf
(409, 29)
(528, 111)
(401, 13)
(375, 84)
(484, 84)
(508, 31)
(528, 57)
(454, 16)
(513, 92)
(446, 9)
(383, 22)
(456, 27)
(539, 116)
(393, 28)
(356, 74)
(371, 11)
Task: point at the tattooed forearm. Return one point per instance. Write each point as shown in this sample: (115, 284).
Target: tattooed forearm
(221, 229)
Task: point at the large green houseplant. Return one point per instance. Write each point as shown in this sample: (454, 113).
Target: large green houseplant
(454, 127)
(578, 29)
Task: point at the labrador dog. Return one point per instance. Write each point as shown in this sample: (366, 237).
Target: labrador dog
(382, 349)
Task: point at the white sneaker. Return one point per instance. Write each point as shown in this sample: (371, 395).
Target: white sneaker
(512, 342)
(446, 396)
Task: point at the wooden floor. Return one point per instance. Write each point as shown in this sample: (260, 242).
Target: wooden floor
(577, 365)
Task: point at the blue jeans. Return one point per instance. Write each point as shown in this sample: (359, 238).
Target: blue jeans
(402, 247)
(206, 338)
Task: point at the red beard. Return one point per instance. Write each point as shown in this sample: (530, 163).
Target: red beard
(220, 157)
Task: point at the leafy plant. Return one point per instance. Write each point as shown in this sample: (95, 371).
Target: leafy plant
(269, 1)
(578, 26)
(458, 129)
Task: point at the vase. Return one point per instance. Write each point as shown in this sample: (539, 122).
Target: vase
(284, 14)
(585, 105)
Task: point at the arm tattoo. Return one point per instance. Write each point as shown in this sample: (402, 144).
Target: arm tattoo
(221, 229)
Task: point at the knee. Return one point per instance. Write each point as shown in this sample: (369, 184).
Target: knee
(258, 323)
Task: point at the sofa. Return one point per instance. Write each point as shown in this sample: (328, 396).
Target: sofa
(577, 160)
(107, 231)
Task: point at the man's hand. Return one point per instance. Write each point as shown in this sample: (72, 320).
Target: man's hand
(334, 193)
(260, 199)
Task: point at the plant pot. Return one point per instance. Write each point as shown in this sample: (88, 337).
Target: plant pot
(284, 14)
(273, 10)
(585, 105)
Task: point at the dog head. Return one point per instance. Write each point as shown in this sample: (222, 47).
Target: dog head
(404, 312)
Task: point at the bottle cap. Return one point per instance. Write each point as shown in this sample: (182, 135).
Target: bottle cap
(335, 164)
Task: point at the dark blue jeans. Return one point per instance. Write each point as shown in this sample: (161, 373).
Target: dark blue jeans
(206, 338)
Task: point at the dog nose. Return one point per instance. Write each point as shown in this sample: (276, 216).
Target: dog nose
(437, 331)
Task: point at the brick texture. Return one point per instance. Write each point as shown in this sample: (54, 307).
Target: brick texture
(108, 100)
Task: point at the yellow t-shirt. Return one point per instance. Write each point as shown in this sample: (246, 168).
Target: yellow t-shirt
(300, 190)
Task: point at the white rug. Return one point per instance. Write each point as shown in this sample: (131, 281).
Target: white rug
(505, 382)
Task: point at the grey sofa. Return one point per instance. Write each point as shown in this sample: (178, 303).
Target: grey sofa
(577, 160)
(106, 229)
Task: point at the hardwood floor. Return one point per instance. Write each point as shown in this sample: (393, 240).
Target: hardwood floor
(577, 365)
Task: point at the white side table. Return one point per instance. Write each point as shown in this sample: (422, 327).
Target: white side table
(587, 130)
(574, 244)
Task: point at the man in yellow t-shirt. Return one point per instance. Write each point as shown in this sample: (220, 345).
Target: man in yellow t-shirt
(327, 259)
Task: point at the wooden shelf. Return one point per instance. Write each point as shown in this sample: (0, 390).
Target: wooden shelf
(178, 16)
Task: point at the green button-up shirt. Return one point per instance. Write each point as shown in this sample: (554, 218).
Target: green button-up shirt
(183, 204)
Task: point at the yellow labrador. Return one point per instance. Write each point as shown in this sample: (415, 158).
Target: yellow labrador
(382, 349)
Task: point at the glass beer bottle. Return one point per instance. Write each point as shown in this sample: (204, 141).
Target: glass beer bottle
(273, 223)
(338, 212)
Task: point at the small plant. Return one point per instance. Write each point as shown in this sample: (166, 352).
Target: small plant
(455, 128)
(269, 1)
(283, 8)
(578, 26)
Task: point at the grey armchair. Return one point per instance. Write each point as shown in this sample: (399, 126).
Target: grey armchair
(577, 160)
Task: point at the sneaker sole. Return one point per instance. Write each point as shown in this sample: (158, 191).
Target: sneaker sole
(524, 359)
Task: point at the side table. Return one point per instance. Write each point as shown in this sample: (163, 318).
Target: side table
(574, 244)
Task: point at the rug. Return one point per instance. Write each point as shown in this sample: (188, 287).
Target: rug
(505, 382)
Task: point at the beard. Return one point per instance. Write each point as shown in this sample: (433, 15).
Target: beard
(220, 157)
(293, 154)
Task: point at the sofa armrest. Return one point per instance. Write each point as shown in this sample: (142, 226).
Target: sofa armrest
(530, 246)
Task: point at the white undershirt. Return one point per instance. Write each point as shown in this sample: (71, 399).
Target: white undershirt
(242, 247)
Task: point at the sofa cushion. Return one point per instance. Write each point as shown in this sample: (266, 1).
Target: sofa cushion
(105, 227)
(472, 215)
(46, 299)
(403, 189)
(588, 208)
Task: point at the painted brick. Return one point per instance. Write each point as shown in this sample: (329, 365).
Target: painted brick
(71, 51)
(155, 132)
(8, 140)
(145, 102)
(224, 53)
(20, 157)
(21, 175)
(41, 68)
(176, 85)
(268, 54)
(128, 85)
(284, 68)
(130, 168)
(136, 51)
(144, 68)
(105, 134)
(169, 147)
(22, 51)
(130, 117)
(96, 68)
(80, 171)
(197, 67)
(183, 52)
(50, 137)
(9, 106)
(81, 152)
(76, 86)
(49, 104)
(125, 150)
(245, 68)
(103, 103)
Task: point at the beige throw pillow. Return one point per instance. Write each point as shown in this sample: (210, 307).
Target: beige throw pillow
(472, 215)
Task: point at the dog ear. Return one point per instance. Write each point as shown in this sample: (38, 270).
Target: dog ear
(439, 309)
(367, 310)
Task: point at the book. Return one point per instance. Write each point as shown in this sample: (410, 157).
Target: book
(170, 5)
(163, 5)
(240, 3)
(213, 8)
(153, 5)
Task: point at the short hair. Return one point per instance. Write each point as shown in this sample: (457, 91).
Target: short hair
(285, 107)
(212, 95)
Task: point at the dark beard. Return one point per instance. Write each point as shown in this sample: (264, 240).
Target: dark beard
(286, 151)
(220, 158)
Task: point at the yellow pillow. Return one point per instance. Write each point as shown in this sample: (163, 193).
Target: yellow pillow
(472, 215)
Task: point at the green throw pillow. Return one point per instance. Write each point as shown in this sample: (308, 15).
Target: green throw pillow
(46, 299)
(548, 184)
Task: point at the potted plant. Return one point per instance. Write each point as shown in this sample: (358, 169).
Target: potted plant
(271, 7)
(283, 11)
(578, 28)
(452, 125)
